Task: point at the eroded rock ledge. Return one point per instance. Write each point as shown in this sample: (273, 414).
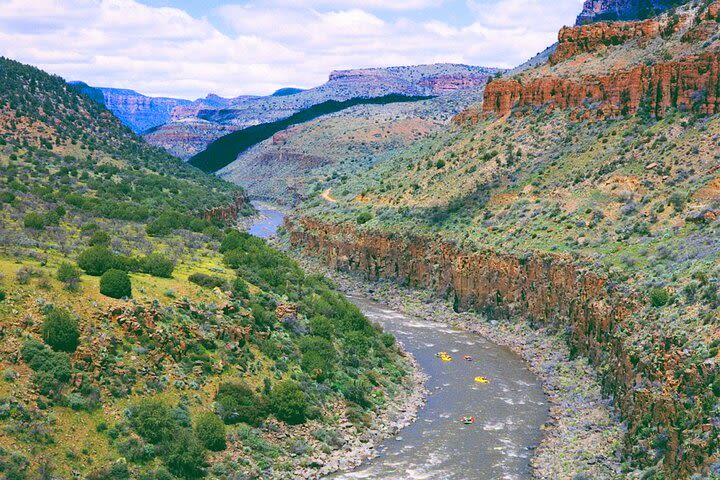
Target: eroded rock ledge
(552, 290)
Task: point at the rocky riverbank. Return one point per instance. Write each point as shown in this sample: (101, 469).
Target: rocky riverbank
(583, 436)
(385, 424)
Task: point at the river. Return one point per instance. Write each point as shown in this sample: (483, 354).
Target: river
(508, 410)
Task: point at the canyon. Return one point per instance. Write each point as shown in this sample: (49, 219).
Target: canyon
(551, 290)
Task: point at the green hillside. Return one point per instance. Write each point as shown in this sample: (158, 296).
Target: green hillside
(142, 335)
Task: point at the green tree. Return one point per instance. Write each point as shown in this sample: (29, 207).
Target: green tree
(60, 331)
(210, 430)
(288, 402)
(115, 284)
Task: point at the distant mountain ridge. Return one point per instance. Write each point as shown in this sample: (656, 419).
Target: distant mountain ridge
(137, 111)
(185, 128)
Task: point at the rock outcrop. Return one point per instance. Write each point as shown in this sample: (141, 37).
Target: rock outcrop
(554, 290)
(228, 213)
(590, 38)
(692, 83)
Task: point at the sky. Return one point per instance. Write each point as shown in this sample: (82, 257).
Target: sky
(187, 48)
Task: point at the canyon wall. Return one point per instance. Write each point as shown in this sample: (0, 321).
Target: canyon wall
(692, 83)
(590, 38)
(552, 290)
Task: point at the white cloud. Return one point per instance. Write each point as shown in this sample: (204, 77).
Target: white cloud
(271, 44)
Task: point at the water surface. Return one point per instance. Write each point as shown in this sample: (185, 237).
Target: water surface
(508, 411)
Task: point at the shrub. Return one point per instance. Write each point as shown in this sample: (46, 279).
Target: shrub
(237, 402)
(288, 402)
(321, 326)
(34, 221)
(659, 297)
(60, 331)
(364, 217)
(115, 284)
(207, 281)
(210, 430)
(69, 274)
(97, 260)
(158, 265)
(318, 356)
(100, 239)
(51, 370)
(185, 456)
(440, 164)
(153, 420)
(240, 288)
(2, 295)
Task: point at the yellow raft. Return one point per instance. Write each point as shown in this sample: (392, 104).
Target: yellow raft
(481, 380)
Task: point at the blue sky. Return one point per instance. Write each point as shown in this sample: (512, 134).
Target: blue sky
(188, 48)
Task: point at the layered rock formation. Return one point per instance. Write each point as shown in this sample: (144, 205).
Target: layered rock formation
(692, 83)
(590, 38)
(549, 289)
(137, 111)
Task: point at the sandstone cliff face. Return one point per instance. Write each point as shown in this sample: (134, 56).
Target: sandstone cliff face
(550, 289)
(692, 83)
(590, 38)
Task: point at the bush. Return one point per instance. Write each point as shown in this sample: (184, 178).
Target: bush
(69, 274)
(207, 281)
(240, 288)
(115, 284)
(60, 331)
(210, 430)
(237, 402)
(67, 271)
(318, 356)
(659, 297)
(34, 221)
(51, 370)
(2, 295)
(185, 456)
(153, 420)
(364, 217)
(97, 260)
(100, 239)
(158, 265)
(288, 402)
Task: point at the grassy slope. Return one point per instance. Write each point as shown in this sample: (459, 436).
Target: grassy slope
(72, 163)
(634, 196)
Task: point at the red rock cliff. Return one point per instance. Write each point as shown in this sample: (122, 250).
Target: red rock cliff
(548, 289)
(589, 38)
(690, 83)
